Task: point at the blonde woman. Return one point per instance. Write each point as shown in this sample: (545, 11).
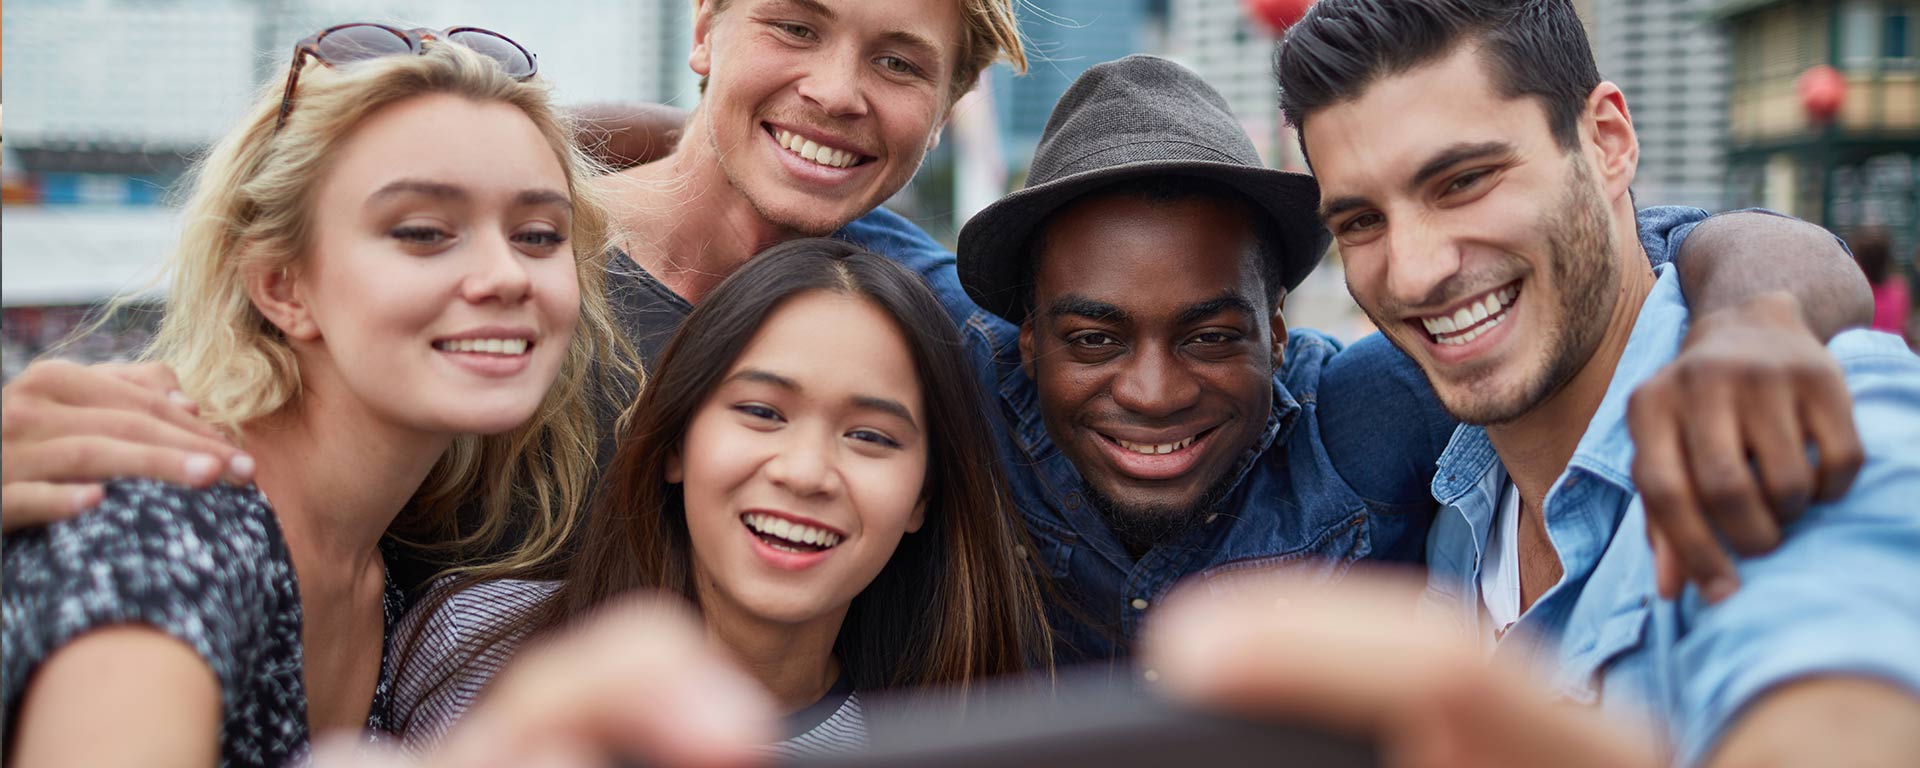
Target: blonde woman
(389, 292)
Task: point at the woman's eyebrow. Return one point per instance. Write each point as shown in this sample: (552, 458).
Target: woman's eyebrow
(885, 405)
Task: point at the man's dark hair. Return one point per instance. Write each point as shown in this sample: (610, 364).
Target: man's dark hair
(1530, 48)
(1174, 188)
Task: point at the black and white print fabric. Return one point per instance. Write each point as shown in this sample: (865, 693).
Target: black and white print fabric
(209, 567)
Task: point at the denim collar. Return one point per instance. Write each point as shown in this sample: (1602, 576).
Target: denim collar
(1607, 448)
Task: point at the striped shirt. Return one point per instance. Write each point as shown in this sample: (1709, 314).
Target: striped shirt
(439, 683)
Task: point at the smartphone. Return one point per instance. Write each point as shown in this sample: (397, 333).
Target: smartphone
(1088, 719)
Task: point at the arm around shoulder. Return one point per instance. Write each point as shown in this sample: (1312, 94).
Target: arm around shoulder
(1731, 258)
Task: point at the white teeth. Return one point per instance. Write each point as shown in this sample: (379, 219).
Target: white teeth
(1463, 318)
(812, 152)
(1154, 449)
(485, 346)
(1490, 306)
(782, 528)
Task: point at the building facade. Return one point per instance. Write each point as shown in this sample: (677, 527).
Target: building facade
(1234, 54)
(1670, 59)
(1860, 170)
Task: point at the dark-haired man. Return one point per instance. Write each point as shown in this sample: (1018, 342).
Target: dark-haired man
(1161, 420)
(1470, 157)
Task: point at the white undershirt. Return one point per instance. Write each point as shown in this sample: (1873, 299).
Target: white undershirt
(1500, 566)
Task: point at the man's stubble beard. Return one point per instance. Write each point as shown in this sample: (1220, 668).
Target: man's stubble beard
(1141, 528)
(1587, 276)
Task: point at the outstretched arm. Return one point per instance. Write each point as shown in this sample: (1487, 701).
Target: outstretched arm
(1721, 434)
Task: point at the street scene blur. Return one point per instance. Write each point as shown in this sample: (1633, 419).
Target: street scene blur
(1806, 107)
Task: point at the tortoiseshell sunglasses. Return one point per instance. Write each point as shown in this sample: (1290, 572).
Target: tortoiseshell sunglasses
(360, 41)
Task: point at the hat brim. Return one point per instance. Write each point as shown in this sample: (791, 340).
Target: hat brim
(994, 243)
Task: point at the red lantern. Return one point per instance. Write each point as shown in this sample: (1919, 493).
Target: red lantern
(1277, 15)
(1822, 90)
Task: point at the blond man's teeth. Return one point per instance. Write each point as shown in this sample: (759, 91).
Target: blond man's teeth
(782, 528)
(1492, 305)
(1154, 448)
(811, 152)
(484, 346)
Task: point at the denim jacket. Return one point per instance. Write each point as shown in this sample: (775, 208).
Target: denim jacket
(1841, 595)
(1340, 473)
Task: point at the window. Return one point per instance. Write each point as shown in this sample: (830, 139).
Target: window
(1859, 35)
(1898, 31)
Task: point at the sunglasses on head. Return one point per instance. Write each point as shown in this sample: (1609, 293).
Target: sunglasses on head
(360, 41)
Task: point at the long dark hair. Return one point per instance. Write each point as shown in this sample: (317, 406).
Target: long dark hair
(952, 605)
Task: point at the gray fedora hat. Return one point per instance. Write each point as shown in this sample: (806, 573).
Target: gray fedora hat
(1140, 116)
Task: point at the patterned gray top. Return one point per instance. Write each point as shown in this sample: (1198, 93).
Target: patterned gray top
(207, 566)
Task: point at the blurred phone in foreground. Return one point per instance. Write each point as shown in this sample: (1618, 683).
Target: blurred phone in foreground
(1088, 720)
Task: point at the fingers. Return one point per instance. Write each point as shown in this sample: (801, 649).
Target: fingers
(133, 389)
(1778, 446)
(31, 505)
(1728, 489)
(63, 423)
(1355, 655)
(79, 459)
(638, 680)
(1827, 412)
(1347, 656)
(1675, 515)
(52, 422)
(1668, 575)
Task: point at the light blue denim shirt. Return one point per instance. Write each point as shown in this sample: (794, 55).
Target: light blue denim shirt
(1840, 596)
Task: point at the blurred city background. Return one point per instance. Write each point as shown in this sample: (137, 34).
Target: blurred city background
(1810, 107)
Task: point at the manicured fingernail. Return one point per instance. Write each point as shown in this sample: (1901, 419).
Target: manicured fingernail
(241, 466)
(201, 467)
(85, 498)
(180, 398)
(1720, 588)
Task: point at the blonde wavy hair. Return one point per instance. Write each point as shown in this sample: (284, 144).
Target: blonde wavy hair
(251, 209)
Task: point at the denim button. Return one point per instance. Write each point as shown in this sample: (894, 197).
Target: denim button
(1073, 500)
(1139, 603)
